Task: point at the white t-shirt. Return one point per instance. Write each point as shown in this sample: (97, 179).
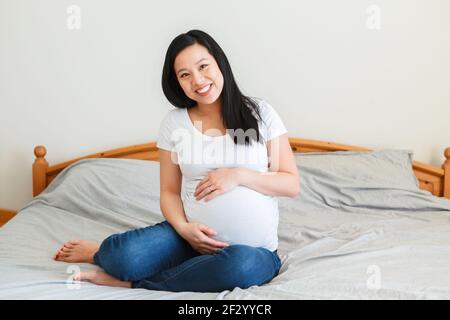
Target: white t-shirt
(242, 215)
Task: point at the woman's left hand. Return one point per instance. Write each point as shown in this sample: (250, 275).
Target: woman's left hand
(217, 182)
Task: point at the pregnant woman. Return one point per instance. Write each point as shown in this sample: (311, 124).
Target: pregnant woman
(224, 157)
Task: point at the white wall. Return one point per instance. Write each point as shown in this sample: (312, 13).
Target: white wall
(328, 75)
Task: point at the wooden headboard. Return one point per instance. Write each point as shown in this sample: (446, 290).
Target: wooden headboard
(431, 178)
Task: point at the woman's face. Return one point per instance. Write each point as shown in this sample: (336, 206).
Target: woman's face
(198, 74)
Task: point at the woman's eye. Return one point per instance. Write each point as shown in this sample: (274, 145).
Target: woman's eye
(184, 74)
(203, 65)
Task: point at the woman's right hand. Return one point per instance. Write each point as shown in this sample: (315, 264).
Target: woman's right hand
(198, 236)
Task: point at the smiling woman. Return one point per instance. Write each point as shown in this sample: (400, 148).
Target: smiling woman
(200, 79)
(217, 192)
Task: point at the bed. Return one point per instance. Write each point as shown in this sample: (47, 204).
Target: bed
(367, 224)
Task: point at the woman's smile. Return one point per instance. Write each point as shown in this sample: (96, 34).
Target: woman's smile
(204, 91)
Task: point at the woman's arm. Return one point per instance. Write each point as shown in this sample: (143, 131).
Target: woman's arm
(282, 178)
(170, 187)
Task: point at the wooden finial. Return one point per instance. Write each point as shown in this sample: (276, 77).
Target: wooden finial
(40, 151)
(447, 153)
(446, 167)
(40, 167)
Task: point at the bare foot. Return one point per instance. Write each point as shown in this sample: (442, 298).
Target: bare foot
(102, 278)
(77, 251)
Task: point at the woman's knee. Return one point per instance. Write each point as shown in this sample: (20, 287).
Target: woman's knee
(247, 266)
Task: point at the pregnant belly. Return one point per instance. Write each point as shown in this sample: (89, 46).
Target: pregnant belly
(240, 216)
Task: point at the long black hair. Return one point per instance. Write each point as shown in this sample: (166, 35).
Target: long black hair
(238, 111)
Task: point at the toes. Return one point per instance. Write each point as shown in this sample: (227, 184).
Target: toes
(64, 257)
(66, 247)
(89, 275)
(55, 257)
(82, 276)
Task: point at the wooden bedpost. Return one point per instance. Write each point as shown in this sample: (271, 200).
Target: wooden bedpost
(446, 167)
(40, 167)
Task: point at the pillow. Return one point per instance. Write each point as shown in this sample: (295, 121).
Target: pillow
(363, 179)
(382, 168)
(100, 188)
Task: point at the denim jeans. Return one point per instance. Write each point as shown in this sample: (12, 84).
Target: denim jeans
(157, 258)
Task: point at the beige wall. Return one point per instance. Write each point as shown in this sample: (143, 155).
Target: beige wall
(317, 62)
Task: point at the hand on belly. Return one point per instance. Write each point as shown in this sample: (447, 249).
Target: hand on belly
(217, 182)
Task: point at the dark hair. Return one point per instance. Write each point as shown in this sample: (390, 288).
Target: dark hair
(238, 111)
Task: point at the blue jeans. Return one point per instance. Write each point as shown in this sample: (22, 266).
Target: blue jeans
(157, 258)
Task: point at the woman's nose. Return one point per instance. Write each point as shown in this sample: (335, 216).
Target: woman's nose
(197, 79)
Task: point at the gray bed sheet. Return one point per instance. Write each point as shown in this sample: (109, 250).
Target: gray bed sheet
(345, 242)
